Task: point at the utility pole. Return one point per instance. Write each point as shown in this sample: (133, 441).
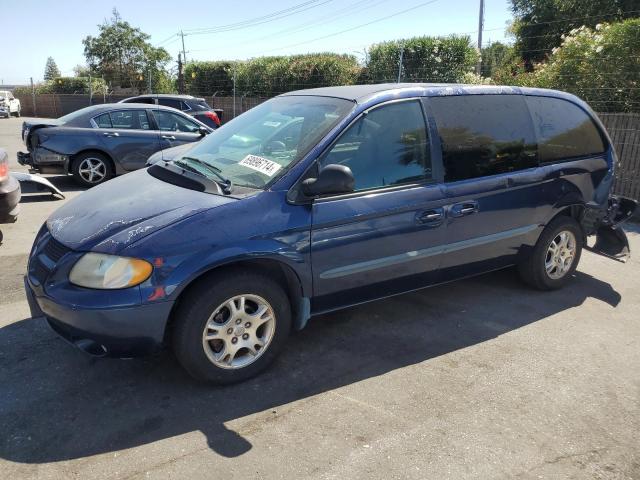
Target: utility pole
(400, 64)
(184, 54)
(149, 80)
(480, 27)
(90, 92)
(180, 75)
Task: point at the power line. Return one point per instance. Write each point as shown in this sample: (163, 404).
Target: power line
(332, 17)
(362, 25)
(287, 12)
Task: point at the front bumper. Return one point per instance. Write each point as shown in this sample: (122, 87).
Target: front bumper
(9, 199)
(121, 332)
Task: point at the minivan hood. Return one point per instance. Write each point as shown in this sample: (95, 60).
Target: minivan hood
(112, 216)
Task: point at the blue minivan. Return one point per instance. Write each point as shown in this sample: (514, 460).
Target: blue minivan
(321, 199)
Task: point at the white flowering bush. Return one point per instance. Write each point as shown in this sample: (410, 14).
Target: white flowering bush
(601, 65)
(424, 59)
(472, 78)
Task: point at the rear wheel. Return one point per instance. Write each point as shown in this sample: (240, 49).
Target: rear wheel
(555, 256)
(231, 327)
(91, 169)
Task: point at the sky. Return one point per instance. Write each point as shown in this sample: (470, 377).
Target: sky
(42, 28)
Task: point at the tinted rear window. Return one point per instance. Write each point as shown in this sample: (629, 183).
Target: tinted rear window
(199, 105)
(484, 135)
(170, 102)
(563, 129)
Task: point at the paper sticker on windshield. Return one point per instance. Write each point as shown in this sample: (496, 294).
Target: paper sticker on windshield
(271, 124)
(260, 164)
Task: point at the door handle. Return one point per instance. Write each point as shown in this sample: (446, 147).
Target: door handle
(111, 134)
(431, 217)
(463, 209)
(168, 137)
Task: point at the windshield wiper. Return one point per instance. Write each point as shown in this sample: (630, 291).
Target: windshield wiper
(225, 183)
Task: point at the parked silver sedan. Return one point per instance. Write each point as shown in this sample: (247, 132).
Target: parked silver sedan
(95, 143)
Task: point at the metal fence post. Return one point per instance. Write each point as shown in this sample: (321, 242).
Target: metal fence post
(33, 98)
(234, 92)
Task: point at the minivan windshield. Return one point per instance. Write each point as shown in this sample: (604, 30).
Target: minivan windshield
(259, 145)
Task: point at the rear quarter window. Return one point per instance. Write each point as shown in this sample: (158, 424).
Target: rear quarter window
(563, 129)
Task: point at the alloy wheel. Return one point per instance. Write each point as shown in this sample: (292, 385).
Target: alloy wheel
(560, 255)
(239, 331)
(92, 170)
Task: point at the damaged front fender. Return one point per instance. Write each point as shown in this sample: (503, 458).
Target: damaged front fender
(605, 222)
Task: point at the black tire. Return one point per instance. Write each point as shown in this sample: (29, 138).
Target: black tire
(202, 301)
(81, 161)
(532, 269)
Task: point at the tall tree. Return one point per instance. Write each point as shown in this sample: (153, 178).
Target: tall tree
(51, 70)
(122, 54)
(540, 24)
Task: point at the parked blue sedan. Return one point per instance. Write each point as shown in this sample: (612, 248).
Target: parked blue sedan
(318, 200)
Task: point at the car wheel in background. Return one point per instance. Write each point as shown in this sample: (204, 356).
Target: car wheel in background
(91, 169)
(231, 326)
(555, 256)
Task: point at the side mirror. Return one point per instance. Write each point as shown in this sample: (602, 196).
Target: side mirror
(332, 179)
(203, 131)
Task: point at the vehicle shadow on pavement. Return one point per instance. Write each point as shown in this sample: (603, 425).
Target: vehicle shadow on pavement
(57, 404)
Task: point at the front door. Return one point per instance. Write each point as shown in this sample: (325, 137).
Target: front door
(128, 137)
(175, 129)
(386, 237)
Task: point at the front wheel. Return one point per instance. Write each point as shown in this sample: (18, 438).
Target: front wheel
(231, 326)
(555, 256)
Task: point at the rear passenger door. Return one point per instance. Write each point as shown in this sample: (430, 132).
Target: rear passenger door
(128, 136)
(385, 237)
(495, 191)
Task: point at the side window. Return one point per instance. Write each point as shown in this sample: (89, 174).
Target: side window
(143, 120)
(103, 121)
(484, 135)
(184, 106)
(140, 100)
(563, 129)
(170, 102)
(130, 119)
(171, 122)
(387, 146)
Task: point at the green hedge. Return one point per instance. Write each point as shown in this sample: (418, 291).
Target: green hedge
(268, 76)
(424, 59)
(206, 78)
(65, 85)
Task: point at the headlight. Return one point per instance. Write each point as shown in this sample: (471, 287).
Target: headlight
(97, 270)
